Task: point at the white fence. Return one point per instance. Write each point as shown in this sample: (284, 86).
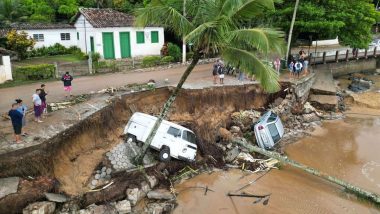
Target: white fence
(5, 69)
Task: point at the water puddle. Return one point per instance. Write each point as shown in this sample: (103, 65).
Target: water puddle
(347, 149)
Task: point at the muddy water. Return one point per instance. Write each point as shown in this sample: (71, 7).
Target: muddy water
(348, 149)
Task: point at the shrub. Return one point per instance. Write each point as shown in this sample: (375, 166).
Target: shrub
(166, 60)
(150, 61)
(56, 49)
(95, 57)
(189, 55)
(35, 72)
(174, 51)
(19, 42)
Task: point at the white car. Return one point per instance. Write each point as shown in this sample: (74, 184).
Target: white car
(268, 130)
(172, 140)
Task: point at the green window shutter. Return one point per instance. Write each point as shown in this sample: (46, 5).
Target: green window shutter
(154, 36)
(77, 35)
(140, 37)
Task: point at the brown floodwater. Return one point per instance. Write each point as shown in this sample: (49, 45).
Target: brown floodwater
(348, 149)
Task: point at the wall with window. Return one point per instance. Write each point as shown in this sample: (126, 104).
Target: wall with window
(48, 37)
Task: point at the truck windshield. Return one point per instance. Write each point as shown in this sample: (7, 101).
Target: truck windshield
(188, 136)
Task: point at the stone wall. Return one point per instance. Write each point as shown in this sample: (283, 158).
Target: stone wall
(5, 69)
(344, 68)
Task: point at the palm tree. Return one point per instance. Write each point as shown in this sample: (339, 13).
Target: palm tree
(216, 27)
(291, 29)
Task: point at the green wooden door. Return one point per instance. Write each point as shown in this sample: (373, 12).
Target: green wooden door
(125, 45)
(92, 44)
(108, 45)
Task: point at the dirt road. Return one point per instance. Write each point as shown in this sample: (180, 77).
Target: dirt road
(87, 84)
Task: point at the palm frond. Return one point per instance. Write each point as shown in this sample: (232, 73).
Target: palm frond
(163, 15)
(248, 9)
(251, 64)
(264, 40)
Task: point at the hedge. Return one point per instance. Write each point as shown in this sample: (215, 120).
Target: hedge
(150, 61)
(35, 72)
(166, 60)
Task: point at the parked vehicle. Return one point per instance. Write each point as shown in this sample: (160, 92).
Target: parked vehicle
(268, 130)
(375, 43)
(172, 140)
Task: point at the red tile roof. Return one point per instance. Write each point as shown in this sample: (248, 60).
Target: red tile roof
(105, 17)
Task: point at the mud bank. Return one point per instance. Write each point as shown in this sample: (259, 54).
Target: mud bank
(72, 155)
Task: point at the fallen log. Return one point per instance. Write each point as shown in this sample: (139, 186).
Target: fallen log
(356, 190)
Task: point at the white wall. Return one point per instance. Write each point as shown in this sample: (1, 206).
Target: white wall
(148, 48)
(326, 42)
(52, 36)
(5, 69)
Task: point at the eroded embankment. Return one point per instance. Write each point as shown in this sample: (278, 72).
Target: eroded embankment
(72, 155)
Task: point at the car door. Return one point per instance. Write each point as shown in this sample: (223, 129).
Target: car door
(173, 139)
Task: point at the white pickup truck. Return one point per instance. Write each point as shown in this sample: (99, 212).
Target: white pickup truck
(171, 140)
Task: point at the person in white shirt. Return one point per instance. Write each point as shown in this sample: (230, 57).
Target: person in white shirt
(37, 103)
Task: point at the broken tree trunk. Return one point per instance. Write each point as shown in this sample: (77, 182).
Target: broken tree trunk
(356, 190)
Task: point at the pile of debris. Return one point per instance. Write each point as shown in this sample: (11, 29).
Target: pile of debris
(359, 83)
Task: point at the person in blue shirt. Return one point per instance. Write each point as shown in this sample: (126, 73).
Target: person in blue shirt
(22, 108)
(16, 118)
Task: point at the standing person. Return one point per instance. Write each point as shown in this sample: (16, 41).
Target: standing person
(277, 65)
(221, 73)
(215, 68)
(291, 69)
(16, 118)
(37, 106)
(22, 108)
(43, 95)
(67, 78)
(306, 65)
(241, 75)
(298, 67)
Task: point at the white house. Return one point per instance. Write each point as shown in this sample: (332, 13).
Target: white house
(105, 31)
(47, 34)
(112, 34)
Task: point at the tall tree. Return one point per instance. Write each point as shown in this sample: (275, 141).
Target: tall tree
(216, 27)
(291, 28)
(325, 19)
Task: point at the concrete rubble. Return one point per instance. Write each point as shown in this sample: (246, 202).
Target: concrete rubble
(8, 186)
(56, 197)
(44, 207)
(160, 194)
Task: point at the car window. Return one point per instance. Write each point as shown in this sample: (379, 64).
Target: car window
(174, 131)
(274, 132)
(188, 136)
(272, 117)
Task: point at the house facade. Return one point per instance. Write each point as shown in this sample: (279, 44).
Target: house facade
(49, 34)
(111, 34)
(105, 31)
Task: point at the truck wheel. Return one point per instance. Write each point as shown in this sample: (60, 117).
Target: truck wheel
(165, 154)
(131, 138)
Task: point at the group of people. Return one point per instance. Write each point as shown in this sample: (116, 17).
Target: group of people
(296, 67)
(19, 109)
(218, 70)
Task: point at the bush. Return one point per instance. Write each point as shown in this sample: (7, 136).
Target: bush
(174, 51)
(166, 60)
(95, 57)
(35, 72)
(150, 61)
(56, 49)
(189, 55)
(19, 42)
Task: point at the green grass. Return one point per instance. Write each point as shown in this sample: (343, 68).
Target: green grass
(14, 83)
(49, 60)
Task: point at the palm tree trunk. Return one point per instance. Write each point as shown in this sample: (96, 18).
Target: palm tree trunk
(167, 105)
(291, 30)
(356, 190)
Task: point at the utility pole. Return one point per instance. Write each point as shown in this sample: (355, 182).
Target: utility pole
(291, 30)
(183, 37)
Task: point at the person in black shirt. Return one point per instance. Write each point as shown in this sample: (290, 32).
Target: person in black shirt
(16, 118)
(43, 95)
(66, 79)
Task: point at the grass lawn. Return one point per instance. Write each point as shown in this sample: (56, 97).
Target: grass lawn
(48, 60)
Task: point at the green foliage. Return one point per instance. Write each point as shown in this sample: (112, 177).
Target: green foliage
(56, 49)
(223, 28)
(166, 60)
(174, 51)
(325, 19)
(35, 72)
(150, 61)
(95, 57)
(19, 42)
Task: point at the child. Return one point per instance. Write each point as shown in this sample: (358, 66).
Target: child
(291, 69)
(16, 118)
(221, 74)
(298, 67)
